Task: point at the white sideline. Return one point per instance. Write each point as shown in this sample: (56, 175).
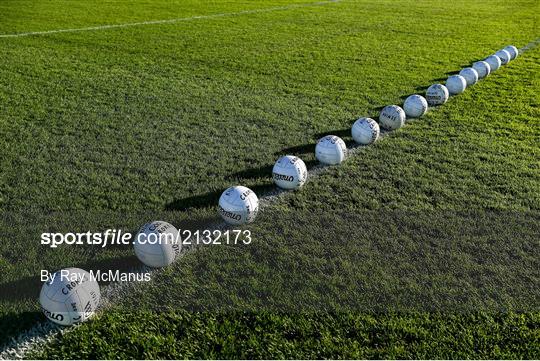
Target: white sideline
(43, 332)
(167, 21)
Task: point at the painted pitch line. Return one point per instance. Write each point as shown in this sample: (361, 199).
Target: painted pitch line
(167, 21)
(44, 332)
(531, 45)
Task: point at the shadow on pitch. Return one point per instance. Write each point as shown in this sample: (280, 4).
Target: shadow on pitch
(297, 150)
(342, 133)
(211, 199)
(441, 80)
(253, 173)
(310, 147)
(13, 323)
(421, 89)
(198, 201)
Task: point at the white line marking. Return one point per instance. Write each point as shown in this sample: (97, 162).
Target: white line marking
(531, 45)
(44, 332)
(167, 21)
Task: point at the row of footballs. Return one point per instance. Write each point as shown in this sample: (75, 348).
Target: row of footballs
(70, 301)
(239, 204)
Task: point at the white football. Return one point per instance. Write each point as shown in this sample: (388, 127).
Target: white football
(456, 84)
(415, 106)
(330, 150)
(504, 56)
(494, 62)
(437, 94)
(365, 131)
(72, 296)
(513, 51)
(392, 117)
(157, 244)
(289, 172)
(470, 75)
(482, 68)
(238, 205)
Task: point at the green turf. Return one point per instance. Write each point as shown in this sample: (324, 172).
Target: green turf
(305, 336)
(450, 274)
(117, 127)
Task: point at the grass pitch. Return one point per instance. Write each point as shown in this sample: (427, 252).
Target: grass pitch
(433, 228)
